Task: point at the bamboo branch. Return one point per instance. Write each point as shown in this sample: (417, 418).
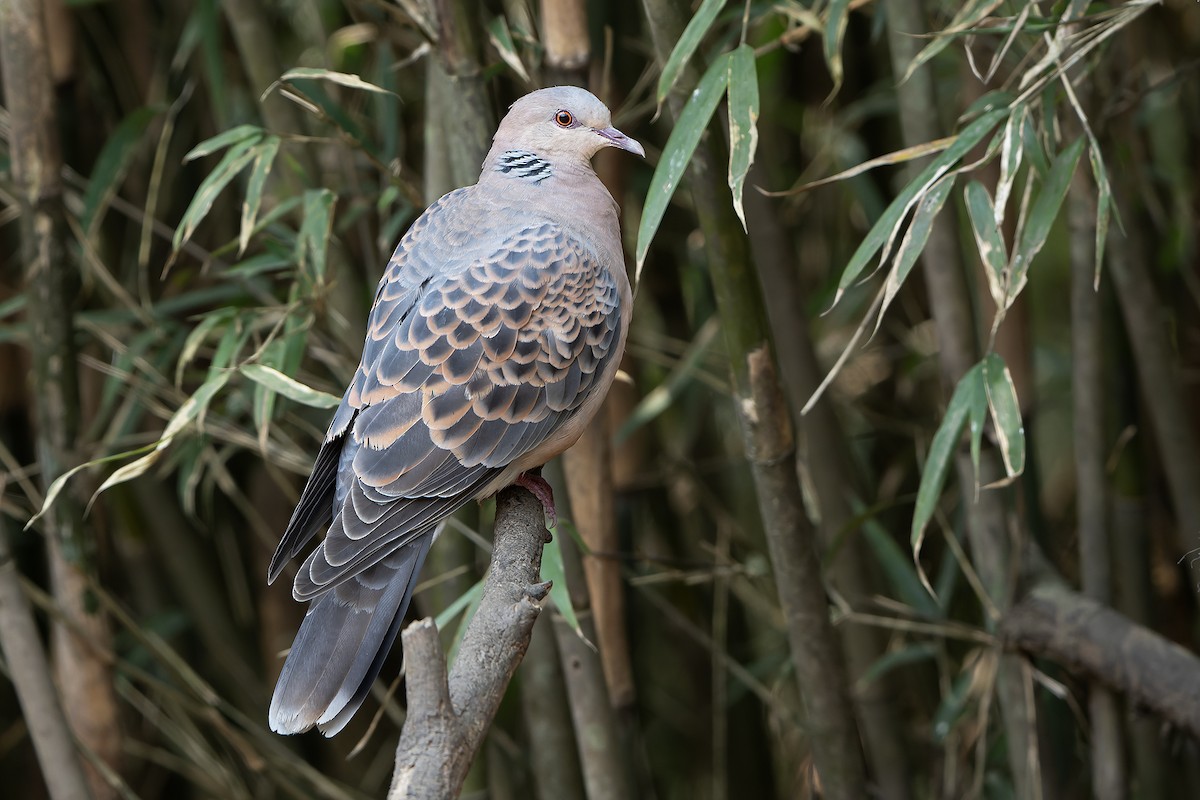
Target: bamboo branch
(448, 718)
(1090, 639)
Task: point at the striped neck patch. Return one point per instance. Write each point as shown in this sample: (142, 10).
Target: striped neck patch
(525, 165)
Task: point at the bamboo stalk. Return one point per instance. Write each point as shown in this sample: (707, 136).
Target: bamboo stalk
(1158, 374)
(30, 674)
(84, 679)
(587, 467)
(544, 706)
(1109, 780)
(565, 36)
(457, 49)
(770, 449)
(604, 754)
(824, 446)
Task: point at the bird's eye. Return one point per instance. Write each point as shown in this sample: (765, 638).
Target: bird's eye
(564, 118)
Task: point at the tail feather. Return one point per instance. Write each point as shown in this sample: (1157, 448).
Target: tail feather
(343, 642)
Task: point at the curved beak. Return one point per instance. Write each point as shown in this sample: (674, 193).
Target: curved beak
(614, 138)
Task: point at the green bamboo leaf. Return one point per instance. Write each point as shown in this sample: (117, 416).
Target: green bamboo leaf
(282, 356)
(190, 462)
(1042, 216)
(192, 409)
(554, 571)
(915, 237)
(312, 242)
(967, 16)
(941, 454)
(898, 567)
(893, 215)
(661, 397)
(314, 92)
(131, 470)
(60, 483)
(743, 122)
(977, 412)
(262, 402)
(254, 189)
(1006, 414)
(890, 159)
(987, 102)
(236, 159)
(223, 140)
(292, 389)
(1031, 146)
(340, 78)
(276, 212)
(951, 708)
(112, 163)
(458, 605)
(196, 337)
(1011, 153)
(195, 406)
(687, 44)
(1104, 206)
(988, 240)
(501, 38)
(680, 145)
(475, 596)
(270, 373)
(151, 345)
(273, 260)
(13, 305)
(835, 31)
(236, 334)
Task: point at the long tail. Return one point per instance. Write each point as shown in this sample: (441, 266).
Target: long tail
(342, 643)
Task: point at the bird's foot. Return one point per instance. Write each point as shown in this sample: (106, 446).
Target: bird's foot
(539, 488)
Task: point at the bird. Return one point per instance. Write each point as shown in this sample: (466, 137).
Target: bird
(495, 332)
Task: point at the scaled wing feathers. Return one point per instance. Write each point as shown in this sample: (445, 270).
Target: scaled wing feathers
(466, 370)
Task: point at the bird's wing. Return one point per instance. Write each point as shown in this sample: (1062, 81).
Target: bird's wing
(410, 266)
(462, 374)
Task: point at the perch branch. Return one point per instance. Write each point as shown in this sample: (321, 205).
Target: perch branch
(448, 718)
(1090, 639)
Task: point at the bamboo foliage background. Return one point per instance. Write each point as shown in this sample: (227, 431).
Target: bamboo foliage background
(909, 404)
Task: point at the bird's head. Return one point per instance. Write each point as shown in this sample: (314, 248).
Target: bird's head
(562, 122)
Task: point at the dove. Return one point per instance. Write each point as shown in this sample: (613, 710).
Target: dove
(495, 333)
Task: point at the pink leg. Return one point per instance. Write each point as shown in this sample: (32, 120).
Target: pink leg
(538, 487)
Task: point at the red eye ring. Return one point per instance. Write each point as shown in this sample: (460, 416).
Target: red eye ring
(564, 119)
